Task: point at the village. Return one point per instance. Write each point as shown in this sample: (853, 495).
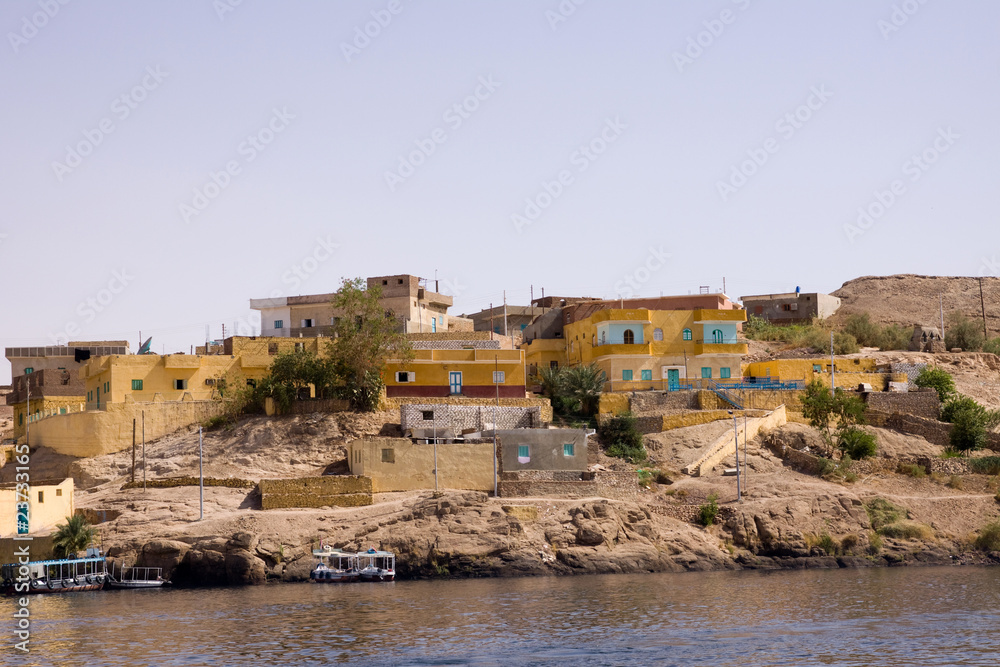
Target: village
(571, 434)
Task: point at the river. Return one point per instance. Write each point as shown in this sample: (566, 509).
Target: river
(878, 616)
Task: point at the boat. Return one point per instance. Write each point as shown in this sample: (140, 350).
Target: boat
(61, 575)
(334, 566)
(137, 577)
(377, 565)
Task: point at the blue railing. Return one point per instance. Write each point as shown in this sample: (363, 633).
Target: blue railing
(722, 391)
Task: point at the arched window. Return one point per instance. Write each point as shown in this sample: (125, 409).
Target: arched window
(687, 334)
(628, 337)
(717, 336)
(657, 334)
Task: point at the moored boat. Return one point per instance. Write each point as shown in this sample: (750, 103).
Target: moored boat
(335, 566)
(377, 565)
(137, 577)
(63, 575)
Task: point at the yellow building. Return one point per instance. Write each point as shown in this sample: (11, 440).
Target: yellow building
(49, 503)
(473, 373)
(640, 348)
(849, 372)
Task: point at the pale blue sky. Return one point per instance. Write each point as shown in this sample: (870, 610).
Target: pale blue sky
(198, 81)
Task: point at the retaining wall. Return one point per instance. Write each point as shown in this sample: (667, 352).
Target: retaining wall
(326, 491)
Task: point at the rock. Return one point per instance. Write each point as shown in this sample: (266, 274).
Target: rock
(166, 554)
(242, 567)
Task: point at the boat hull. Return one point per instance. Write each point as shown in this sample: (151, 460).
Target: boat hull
(57, 586)
(136, 584)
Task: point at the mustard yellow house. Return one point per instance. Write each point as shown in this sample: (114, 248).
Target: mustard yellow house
(473, 373)
(642, 348)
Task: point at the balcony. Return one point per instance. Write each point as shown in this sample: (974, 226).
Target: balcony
(711, 347)
(608, 349)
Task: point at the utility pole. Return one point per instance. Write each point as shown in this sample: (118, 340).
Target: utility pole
(833, 370)
(133, 449)
(982, 303)
(941, 306)
(491, 320)
(505, 312)
(144, 451)
(201, 479)
(736, 440)
(496, 367)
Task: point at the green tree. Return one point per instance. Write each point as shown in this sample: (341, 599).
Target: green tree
(302, 368)
(621, 438)
(583, 385)
(963, 332)
(822, 409)
(856, 443)
(939, 379)
(968, 431)
(73, 536)
(365, 338)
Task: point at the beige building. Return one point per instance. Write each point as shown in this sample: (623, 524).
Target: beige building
(397, 464)
(407, 298)
(49, 503)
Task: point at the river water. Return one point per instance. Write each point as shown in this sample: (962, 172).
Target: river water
(898, 616)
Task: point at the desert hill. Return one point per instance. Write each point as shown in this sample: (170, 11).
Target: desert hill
(910, 299)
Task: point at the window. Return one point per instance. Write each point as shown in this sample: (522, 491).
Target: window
(388, 455)
(628, 337)
(522, 454)
(646, 374)
(724, 373)
(404, 376)
(107, 387)
(20, 417)
(718, 336)
(687, 334)
(180, 384)
(523, 327)
(553, 364)
(427, 415)
(279, 324)
(627, 375)
(385, 282)
(41, 496)
(657, 334)
(29, 370)
(434, 325)
(307, 323)
(817, 368)
(568, 450)
(499, 377)
(706, 371)
(399, 281)
(58, 492)
(136, 385)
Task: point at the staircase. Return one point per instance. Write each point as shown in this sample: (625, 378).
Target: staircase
(725, 395)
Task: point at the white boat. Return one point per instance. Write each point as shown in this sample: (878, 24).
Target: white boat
(334, 566)
(377, 565)
(62, 575)
(137, 577)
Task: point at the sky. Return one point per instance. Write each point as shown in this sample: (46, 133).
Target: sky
(165, 162)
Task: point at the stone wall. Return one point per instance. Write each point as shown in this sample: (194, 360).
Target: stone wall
(455, 344)
(911, 371)
(617, 485)
(326, 491)
(459, 418)
(543, 404)
(658, 401)
(921, 403)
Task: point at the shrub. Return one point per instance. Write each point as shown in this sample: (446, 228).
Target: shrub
(881, 512)
(858, 444)
(708, 511)
(950, 453)
(874, 543)
(989, 537)
(912, 469)
(985, 465)
(621, 438)
(963, 332)
(849, 542)
(646, 477)
(907, 530)
(827, 544)
(870, 334)
(968, 431)
(992, 346)
(937, 379)
(955, 482)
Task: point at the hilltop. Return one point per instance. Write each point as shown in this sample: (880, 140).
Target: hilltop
(908, 299)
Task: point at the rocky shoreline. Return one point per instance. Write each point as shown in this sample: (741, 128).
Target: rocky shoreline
(468, 534)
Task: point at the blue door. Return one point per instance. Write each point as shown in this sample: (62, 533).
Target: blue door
(673, 379)
(455, 382)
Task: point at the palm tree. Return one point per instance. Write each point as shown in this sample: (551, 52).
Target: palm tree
(583, 384)
(73, 536)
(551, 378)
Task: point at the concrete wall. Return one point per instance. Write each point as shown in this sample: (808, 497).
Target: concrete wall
(98, 432)
(49, 503)
(326, 491)
(463, 417)
(397, 464)
(545, 448)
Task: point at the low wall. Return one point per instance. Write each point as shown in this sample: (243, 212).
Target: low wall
(616, 485)
(695, 418)
(98, 432)
(726, 444)
(752, 399)
(658, 401)
(171, 482)
(924, 404)
(613, 404)
(543, 404)
(475, 417)
(929, 429)
(307, 407)
(326, 491)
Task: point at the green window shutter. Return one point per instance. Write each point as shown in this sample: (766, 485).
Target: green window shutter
(627, 375)
(687, 334)
(646, 374)
(706, 371)
(568, 450)
(522, 451)
(136, 385)
(724, 373)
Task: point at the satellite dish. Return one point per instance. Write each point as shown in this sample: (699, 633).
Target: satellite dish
(144, 348)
